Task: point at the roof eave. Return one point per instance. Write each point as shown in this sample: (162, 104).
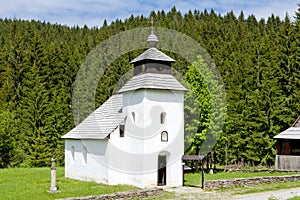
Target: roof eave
(290, 133)
(82, 137)
(287, 138)
(136, 60)
(149, 88)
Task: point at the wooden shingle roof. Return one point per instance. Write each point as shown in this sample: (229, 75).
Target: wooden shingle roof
(99, 124)
(292, 132)
(152, 81)
(193, 157)
(152, 54)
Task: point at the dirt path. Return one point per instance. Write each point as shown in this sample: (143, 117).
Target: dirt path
(198, 193)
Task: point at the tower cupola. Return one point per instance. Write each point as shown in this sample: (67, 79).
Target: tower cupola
(152, 40)
(152, 60)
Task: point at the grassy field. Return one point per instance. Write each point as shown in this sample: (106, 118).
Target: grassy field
(261, 188)
(295, 198)
(195, 179)
(34, 183)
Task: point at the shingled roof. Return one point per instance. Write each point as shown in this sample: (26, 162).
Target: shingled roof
(292, 132)
(103, 121)
(152, 81)
(152, 54)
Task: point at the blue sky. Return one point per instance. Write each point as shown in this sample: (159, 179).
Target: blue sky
(93, 12)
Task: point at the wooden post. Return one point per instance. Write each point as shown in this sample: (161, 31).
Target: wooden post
(202, 173)
(183, 173)
(193, 167)
(211, 171)
(215, 161)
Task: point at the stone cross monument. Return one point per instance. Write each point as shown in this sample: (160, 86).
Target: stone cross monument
(53, 188)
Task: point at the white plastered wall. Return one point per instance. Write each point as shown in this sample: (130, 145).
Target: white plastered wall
(87, 167)
(133, 159)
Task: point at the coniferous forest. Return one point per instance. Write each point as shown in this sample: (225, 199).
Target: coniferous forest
(258, 59)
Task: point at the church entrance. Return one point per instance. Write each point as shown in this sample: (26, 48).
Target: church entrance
(162, 170)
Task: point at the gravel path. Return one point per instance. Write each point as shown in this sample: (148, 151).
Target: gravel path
(278, 194)
(198, 193)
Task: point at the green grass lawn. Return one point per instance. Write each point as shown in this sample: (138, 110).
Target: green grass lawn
(295, 198)
(195, 179)
(34, 183)
(261, 188)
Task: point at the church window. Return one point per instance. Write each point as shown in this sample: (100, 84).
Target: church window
(73, 153)
(164, 136)
(122, 130)
(163, 117)
(84, 155)
(133, 116)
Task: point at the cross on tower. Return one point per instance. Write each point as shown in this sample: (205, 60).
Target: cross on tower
(152, 25)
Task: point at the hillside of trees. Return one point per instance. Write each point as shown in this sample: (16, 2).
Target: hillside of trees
(259, 61)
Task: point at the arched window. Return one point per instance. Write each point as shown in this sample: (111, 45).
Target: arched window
(122, 127)
(84, 155)
(133, 116)
(122, 130)
(73, 153)
(164, 136)
(163, 117)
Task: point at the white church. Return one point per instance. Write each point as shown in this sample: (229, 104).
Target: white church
(137, 136)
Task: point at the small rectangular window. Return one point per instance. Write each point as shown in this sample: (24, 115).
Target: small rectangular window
(122, 130)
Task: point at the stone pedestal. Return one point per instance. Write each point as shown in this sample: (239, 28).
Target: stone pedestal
(53, 188)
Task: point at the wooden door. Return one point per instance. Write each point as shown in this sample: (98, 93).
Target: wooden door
(162, 170)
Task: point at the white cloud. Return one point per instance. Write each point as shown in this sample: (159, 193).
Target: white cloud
(93, 12)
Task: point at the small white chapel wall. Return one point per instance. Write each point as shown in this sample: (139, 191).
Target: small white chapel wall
(87, 163)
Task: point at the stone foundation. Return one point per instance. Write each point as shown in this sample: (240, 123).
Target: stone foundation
(218, 184)
(146, 193)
